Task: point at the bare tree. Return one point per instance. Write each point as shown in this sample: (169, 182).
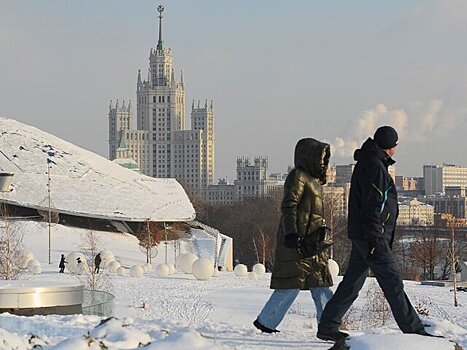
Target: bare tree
(263, 247)
(152, 233)
(426, 254)
(11, 245)
(90, 247)
(336, 220)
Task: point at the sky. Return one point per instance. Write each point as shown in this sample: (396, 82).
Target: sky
(277, 72)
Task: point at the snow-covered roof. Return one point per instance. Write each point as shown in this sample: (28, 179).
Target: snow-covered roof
(83, 183)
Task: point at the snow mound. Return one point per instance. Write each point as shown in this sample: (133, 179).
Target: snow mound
(398, 341)
(183, 340)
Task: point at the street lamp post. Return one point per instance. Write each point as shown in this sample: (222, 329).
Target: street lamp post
(165, 231)
(50, 210)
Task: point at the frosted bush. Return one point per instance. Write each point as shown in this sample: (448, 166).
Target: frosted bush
(120, 271)
(188, 261)
(202, 269)
(253, 276)
(136, 271)
(162, 270)
(241, 270)
(259, 269)
(113, 266)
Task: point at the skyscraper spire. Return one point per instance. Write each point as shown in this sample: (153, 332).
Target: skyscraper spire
(160, 9)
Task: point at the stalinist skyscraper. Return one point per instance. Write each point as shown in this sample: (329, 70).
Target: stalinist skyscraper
(160, 145)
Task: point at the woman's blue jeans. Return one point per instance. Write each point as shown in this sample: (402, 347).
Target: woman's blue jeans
(279, 303)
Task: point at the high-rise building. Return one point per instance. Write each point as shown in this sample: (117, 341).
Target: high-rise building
(161, 145)
(437, 177)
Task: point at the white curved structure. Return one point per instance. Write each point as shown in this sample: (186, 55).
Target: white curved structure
(83, 183)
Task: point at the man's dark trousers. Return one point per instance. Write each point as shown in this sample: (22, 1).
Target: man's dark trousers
(386, 271)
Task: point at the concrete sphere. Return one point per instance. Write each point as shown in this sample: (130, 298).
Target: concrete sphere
(171, 269)
(107, 257)
(37, 269)
(120, 271)
(203, 269)
(33, 263)
(252, 276)
(162, 270)
(136, 271)
(113, 266)
(188, 262)
(259, 269)
(240, 270)
(333, 267)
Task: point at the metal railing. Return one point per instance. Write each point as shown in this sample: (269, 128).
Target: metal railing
(98, 303)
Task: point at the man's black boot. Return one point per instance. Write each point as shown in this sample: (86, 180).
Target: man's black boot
(333, 336)
(423, 332)
(263, 328)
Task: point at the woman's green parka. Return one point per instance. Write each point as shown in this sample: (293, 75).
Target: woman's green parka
(302, 214)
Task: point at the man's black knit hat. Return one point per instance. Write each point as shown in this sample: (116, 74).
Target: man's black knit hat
(386, 137)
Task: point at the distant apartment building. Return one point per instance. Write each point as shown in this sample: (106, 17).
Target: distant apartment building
(344, 173)
(415, 213)
(336, 199)
(160, 144)
(437, 177)
(221, 193)
(454, 205)
(253, 178)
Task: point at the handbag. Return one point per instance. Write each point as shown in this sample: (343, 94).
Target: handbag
(314, 243)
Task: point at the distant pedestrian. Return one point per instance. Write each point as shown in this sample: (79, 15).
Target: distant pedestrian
(62, 263)
(97, 263)
(300, 262)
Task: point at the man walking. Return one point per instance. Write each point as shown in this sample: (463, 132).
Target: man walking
(373, 211)
(97, 262)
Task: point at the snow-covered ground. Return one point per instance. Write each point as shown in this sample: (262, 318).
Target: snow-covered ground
(179, 312)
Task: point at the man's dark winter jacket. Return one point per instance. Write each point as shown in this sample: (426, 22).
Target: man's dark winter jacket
(373, 207)
(302, 214)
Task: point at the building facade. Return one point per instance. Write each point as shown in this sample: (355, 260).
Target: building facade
(415, 213)
(160, 144)
(437, 177)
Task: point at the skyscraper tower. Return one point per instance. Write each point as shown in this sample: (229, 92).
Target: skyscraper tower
(160, 106)
(161, 146)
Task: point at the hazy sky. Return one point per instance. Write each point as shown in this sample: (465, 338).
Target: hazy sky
(276, 70)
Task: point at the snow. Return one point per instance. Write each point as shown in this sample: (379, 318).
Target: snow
(180, 312)
(83, 183)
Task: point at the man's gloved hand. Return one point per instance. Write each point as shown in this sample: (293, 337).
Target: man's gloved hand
(291, 241)
(374, 248)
